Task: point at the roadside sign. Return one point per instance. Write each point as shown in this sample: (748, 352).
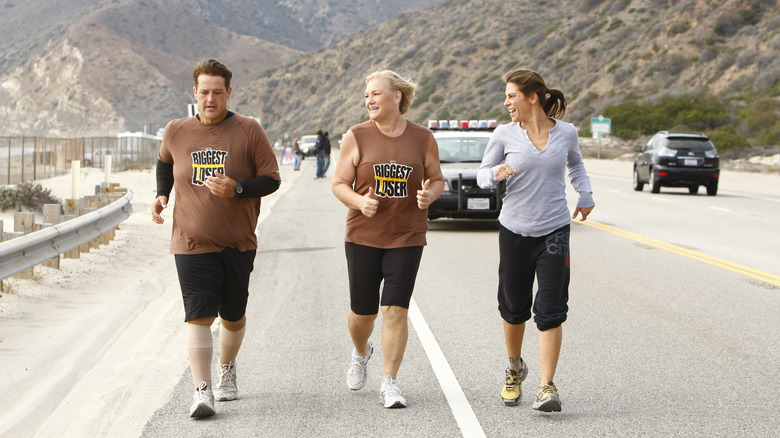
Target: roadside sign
(600, 125)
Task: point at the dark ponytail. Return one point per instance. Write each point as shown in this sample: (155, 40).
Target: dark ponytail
(529, 82)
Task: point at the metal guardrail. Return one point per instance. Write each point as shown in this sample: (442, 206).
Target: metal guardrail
(22, 253)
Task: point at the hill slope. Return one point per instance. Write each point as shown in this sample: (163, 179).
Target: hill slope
(82, 68)
(597, 52)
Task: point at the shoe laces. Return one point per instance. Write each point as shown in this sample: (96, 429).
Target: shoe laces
(202, 392)
(547, 391)
(512, 377)
(357, 367)
(391, 388)
(227, 374)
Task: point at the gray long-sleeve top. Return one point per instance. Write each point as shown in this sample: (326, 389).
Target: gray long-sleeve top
(535, 201)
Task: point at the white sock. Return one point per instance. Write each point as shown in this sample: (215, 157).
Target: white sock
(230, 343)
(200, 349)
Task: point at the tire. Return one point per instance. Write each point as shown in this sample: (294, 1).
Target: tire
(638, 184)
(712, 189)
(655, 186)
(694, 189)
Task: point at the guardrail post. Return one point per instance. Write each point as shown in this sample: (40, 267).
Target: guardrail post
(51, 216)
(24, 223)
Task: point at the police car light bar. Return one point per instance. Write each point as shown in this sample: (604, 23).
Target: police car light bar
(462, 125)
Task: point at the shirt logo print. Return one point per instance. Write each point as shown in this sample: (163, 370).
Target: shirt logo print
(391, 180)
(206, 163)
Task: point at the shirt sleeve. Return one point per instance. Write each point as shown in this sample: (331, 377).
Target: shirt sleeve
(494, 156)
(579, 177)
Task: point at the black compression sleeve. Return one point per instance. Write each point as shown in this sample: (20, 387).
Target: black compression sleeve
(258, 187)
(164, 178)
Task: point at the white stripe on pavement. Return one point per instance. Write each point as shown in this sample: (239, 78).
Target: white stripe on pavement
(461, 409)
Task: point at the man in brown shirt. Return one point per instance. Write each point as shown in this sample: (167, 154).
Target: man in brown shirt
(219, 164)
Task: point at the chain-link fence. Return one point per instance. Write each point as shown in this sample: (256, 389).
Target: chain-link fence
(35, 158)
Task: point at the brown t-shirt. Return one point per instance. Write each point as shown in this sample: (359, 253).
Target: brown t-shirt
(395, 167)
(237, 147)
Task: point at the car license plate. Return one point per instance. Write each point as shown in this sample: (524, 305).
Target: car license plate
(479, 203)
(690, 162)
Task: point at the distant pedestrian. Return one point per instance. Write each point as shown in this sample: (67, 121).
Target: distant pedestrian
(220, 164)
(532, 154)
(326, 164)
(297, 154)
(322, 151)
(388, 174)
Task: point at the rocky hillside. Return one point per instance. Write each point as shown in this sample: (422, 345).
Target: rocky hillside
(98, 67)
(104, 66)
(109, 74)
(598, 52)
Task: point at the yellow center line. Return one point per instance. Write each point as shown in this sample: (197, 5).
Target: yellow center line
(686, 252)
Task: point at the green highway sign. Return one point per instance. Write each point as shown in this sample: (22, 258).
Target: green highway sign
(600, 125)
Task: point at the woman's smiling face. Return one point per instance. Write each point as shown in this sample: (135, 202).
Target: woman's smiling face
(380, 100)
(517, 103)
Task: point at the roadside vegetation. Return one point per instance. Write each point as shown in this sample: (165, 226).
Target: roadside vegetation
(729, 125)
(26, 195)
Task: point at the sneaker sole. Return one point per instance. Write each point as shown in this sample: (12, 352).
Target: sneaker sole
(553, 404)
(202, 411)
(511, 402)
(396, 405)
(225, 398)
(368, 357)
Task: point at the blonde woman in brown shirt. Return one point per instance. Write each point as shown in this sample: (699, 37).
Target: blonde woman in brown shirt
(387, 174)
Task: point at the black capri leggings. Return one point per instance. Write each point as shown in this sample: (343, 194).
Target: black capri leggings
(522, 258)
(368, 266)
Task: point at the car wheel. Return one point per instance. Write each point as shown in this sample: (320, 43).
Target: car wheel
(655, 186)
(638, 184)
(694, 189)
(712, 189)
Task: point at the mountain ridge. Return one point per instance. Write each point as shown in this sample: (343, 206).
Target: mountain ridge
(597, 52)
(126, 64)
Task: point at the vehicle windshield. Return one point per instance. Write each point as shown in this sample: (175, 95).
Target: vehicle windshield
(461, 150)
(309, 139)
(690, 144)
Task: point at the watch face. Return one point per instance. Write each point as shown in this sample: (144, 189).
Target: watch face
(239, 189)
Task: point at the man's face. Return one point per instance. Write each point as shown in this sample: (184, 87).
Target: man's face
(212, 97)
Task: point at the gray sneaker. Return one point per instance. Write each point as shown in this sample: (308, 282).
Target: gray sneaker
(390, 395)
(203, 402)
(547, 399)
(356, 374)
(226, 388)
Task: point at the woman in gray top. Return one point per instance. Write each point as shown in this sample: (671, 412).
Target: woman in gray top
(533, 154)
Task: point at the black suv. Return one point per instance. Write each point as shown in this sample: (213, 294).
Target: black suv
(677, 159)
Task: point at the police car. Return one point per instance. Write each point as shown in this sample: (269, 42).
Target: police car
(461, 147)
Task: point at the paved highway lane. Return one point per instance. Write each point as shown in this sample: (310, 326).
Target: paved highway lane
(657, 343)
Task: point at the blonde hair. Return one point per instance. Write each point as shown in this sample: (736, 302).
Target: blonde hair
(397, 83)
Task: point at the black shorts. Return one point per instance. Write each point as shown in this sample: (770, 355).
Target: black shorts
(215, 283)
(522, 258)
(368, 266)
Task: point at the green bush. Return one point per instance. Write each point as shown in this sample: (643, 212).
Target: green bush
(687, 112)
(28, 195)
(726, 137)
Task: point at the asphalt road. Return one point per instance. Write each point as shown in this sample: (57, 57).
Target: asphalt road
(672, 330)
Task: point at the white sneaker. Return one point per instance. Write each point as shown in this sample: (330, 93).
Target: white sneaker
(390, 395)
(226, 388)
(203, 402)
(356, 374)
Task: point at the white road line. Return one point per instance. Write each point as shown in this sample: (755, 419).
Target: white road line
(720, 209)
(461, 409)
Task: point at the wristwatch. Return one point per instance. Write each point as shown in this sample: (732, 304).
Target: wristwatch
(239, 189)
